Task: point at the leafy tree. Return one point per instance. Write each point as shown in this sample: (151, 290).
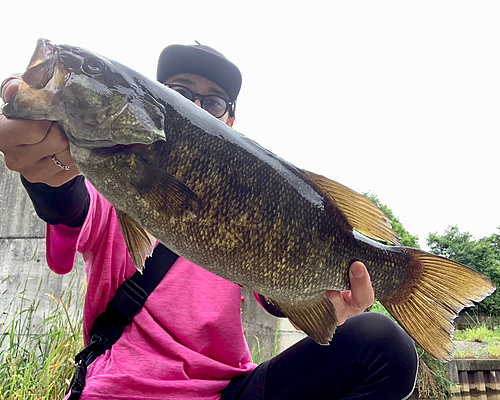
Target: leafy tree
(494, 241)
(482, 255)
(405, 237)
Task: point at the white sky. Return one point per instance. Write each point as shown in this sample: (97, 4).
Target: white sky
(397, 98)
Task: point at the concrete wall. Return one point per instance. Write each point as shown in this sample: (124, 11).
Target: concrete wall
(24, 274)
(23, 269)
(266, 335)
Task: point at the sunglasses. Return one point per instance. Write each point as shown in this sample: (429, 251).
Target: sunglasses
(215, 105)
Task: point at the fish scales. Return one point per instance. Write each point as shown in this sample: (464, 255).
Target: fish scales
(176, 174)
(247, 225)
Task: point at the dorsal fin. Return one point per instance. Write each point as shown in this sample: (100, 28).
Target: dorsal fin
(364, 216)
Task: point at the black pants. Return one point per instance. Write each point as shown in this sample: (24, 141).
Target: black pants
(370, 357)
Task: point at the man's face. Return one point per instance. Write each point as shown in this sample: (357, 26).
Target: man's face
(203, 86)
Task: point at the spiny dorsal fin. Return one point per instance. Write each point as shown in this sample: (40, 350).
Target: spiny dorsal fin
(364, 216)
(140, 244)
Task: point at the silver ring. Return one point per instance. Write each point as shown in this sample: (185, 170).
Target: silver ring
(59, 163)
(4, 83)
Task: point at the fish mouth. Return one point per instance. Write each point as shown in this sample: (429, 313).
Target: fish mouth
(46, 75)
(45, 70)
(40, 84)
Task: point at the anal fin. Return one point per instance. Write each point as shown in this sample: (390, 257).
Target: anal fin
(317, 317)
(140, 243)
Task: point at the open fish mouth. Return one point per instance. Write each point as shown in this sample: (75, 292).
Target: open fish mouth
(44, 78)
(45, 69)
(45, 91)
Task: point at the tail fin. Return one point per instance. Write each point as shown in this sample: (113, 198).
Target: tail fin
(442, 289)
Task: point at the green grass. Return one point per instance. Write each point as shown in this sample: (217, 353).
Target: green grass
(481, 333)
(258, 353)
(36, 361)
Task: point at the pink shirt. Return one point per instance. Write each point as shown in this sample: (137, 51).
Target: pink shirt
(187, 341)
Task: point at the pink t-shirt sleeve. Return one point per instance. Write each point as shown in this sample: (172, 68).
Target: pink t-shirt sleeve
(63, 242)
(61, 247)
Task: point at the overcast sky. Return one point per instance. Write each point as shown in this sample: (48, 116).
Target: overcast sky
(397, 98)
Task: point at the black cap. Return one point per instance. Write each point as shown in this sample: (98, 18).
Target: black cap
(200, 60)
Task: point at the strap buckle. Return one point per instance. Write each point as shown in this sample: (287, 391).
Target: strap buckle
(78, 382)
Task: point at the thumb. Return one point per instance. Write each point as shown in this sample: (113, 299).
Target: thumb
(361, 286)
(9, 87)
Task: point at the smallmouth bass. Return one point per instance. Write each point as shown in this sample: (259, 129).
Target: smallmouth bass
(176, 174)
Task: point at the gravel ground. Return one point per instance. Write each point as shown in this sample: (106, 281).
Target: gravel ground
(479, 349)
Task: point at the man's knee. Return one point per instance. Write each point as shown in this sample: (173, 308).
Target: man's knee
(386, 348)
(377, 330)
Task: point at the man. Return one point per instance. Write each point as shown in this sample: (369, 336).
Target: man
(187, 340)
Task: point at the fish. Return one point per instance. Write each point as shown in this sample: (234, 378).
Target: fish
(178, 175)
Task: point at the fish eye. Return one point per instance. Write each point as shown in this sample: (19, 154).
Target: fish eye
(93, 66)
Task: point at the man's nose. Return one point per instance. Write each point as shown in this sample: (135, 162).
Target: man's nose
(197, 102)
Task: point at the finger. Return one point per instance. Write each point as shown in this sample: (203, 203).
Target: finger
(295, 326)
(47, 171)
(19, 156)
(61, 177)
(15, 132)
(64, 157)
(342, 307)
(9, 87)
(361, 293)
(54, 142)
(35, 163)
(54, 169)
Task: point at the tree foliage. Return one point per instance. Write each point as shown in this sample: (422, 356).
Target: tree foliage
(405, 237)
(482, 255)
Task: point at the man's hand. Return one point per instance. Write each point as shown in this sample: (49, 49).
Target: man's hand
(28, 146)
(358, 299)
(354, 301)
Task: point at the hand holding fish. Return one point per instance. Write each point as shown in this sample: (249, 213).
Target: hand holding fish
(356, 300)
(33, 148)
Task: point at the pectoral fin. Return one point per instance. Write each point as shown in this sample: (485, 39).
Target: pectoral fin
(361, 213)
(163, 191)
(140, 243)
(316, 317)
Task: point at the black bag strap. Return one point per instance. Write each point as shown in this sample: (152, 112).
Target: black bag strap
(127, 301)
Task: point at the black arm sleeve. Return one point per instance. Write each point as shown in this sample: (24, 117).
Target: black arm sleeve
(271, 309)
(67, 204)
